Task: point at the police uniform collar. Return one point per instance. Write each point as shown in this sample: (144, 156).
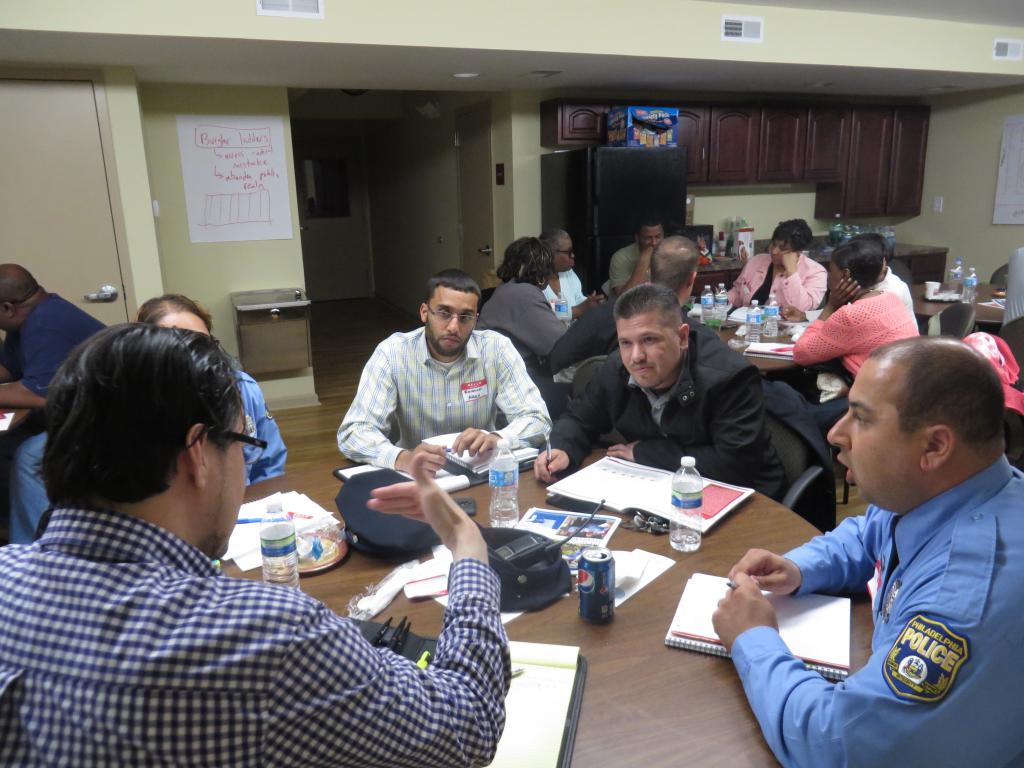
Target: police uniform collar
(919, 524)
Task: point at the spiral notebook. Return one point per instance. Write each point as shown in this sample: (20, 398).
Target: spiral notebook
(816, 628)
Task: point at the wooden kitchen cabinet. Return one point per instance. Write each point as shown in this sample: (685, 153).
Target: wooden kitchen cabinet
(885, 172)
(780, 155)
(828, 143)
(693, 134)
(906, 169)
(568, 124)
(735, 135)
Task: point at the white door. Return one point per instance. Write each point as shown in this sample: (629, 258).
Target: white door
(55, 212)
(476, 213)
(333, 217)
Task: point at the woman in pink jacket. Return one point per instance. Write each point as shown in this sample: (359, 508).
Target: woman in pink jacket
(796, 280)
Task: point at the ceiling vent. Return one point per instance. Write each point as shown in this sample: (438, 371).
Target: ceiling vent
(1005, 49)
(304, 9)
(743, 29)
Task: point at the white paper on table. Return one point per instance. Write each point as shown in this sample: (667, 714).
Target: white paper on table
(635, 570)
(739, 315)
(5, 420)
(244, 544)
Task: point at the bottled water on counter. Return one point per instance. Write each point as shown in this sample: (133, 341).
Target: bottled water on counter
(956, 276)
(970, 294)
(771, 318)
(688, 501)
(721, 304)
(754, 323)
(707, 306)
(277, 545)
(504, 481)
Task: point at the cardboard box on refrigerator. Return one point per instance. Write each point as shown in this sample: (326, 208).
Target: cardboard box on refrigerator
(643, 127)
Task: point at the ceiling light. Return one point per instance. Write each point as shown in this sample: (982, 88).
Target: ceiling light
(465, 75)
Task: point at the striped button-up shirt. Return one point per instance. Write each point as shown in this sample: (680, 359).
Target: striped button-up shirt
(404, 390)
(122, 645)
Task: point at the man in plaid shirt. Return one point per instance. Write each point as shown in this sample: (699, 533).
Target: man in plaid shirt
(123, 644)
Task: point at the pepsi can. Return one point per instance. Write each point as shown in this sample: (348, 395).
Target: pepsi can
(597, 585)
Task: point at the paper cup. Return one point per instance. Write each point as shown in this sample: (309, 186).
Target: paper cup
(930, 289)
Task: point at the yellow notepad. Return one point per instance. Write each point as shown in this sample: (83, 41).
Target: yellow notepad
(539, 705)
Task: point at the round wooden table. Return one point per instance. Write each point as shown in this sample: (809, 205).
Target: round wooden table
(644, 703)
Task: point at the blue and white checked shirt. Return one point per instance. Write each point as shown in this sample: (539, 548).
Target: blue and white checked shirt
(122, 645)
(404, 388)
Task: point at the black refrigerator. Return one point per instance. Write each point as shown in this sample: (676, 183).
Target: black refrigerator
(597, 194)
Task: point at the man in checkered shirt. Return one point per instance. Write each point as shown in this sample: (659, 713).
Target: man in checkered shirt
(122, 644)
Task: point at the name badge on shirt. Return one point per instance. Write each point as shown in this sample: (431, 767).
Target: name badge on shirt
(474, 390)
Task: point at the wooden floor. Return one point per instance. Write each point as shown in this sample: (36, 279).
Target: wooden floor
(344, 334)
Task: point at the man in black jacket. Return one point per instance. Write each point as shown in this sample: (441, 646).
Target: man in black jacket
(673, 264)
(670, 392)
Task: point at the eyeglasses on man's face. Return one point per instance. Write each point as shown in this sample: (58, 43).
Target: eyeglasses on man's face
(445, 316)
(250, 457)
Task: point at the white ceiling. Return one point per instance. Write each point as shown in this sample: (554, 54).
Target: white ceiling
(998, 12)
(317, 65)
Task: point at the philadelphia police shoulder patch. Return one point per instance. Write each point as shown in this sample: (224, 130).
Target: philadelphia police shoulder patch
(923, 662)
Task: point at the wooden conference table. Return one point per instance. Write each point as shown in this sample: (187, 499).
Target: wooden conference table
(644, 703)
(984, 316)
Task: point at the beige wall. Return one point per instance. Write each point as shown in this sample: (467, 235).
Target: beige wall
(964, 140)
(210, 271)
(813, 37)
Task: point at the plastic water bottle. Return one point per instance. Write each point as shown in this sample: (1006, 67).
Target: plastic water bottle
(687, 501)
(504, 481)
(721, 304)
(754, 323)
(956, 276)
(277, 544)
(970, 293)
(771, 318)
(707, 306)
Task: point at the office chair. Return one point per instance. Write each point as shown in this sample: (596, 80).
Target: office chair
(797, 462)
(956, 320)
(1013, 430)
(585, 371)
(1013, 334)
(999, 276)
(901, 270)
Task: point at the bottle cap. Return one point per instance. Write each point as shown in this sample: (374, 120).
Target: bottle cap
(688, 461)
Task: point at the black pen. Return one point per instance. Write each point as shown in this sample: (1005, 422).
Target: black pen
(378, 639)
(393, 644)
(400, 645)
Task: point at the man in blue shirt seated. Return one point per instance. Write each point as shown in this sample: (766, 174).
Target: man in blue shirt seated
(123, 644)
(41, 329)
(941, 551)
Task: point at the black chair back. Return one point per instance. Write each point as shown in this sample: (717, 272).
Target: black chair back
(999, 276)
(1013, 334)
(956, 320)
(901, 270)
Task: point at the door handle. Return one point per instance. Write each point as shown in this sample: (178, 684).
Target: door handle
(486, 250)
(106, 293)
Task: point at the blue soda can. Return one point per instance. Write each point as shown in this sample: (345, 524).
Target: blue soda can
(597, 585)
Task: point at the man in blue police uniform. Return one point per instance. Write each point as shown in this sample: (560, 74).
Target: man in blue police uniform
(941, 550)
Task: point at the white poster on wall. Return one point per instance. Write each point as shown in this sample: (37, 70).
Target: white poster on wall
(236, 179)
(1010, 183)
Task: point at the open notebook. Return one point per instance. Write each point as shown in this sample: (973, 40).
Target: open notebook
(626, 485)
(816, 628)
